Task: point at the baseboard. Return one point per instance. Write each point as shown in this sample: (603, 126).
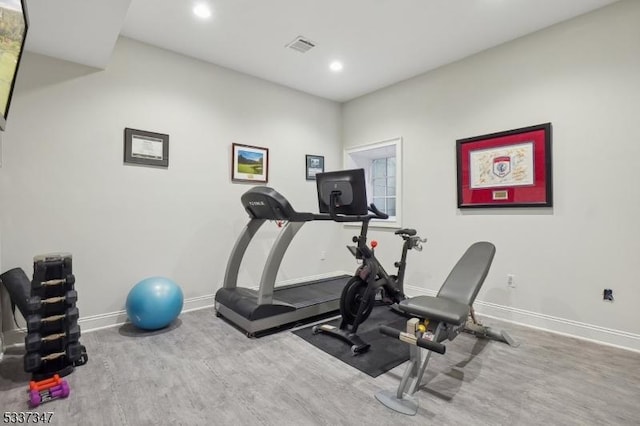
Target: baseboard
(15, 337)
(562, 326)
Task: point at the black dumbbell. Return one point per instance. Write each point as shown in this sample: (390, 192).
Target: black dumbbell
(33, 342)
(35, 303)
(32, 361)
(34, 322)
(42, 262)
(69, 280)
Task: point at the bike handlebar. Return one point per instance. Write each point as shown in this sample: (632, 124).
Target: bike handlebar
(378, 214)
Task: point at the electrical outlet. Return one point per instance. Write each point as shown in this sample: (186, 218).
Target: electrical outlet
(323, 255)
(511, 280)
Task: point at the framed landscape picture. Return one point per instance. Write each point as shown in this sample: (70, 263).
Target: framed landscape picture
(506, 169)
(249, 163)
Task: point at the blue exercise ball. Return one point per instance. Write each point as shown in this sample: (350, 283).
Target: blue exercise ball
(154, 302)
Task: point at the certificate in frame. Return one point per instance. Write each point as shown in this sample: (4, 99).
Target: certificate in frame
(314, 164)
(146, 148)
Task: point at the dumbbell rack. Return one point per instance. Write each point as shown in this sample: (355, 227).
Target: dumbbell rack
(53, 333)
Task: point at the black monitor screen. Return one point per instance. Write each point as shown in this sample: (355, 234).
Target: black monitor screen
(13, 31)
(350, 188)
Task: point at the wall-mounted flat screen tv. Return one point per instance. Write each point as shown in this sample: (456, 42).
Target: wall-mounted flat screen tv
(13, 32)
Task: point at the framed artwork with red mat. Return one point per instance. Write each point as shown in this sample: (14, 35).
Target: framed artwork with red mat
(506, 169)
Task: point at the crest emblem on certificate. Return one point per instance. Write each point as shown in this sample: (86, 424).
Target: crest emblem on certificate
(502, 166)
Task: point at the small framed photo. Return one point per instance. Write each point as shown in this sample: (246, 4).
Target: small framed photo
(315, 164)
(506, 169)
(249, 163)
(146, 148)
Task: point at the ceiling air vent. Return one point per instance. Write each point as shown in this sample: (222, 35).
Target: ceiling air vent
(301, 44)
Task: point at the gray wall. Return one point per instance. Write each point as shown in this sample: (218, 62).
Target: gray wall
(584, 77)
(64, 187)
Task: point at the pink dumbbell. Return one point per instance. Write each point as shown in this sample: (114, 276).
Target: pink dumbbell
(39, 397)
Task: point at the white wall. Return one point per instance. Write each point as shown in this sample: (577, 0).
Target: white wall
(584, 77)
(63, 185)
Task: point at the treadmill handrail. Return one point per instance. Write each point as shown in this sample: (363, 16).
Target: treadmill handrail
(238, 251)
(274, 259)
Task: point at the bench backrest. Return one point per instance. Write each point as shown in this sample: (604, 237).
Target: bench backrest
(465, 279)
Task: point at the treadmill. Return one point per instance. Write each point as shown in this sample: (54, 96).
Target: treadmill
(270, 307)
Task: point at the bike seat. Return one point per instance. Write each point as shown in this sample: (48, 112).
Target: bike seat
(406, 231)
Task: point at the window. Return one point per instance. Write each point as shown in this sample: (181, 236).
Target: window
(383, 181)
(382, 163)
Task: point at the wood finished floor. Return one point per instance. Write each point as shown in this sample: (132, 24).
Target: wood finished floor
(202, 371)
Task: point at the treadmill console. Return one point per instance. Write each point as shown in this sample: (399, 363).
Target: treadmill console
(262, 202)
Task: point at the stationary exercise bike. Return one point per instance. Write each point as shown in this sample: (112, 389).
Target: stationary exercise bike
(370, 283)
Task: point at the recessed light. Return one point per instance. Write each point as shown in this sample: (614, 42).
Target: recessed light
(336, 66)
(202, 10)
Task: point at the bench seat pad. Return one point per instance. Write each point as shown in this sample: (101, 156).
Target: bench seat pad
(436, 308)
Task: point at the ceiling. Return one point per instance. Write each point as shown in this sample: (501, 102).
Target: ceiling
(380, 42)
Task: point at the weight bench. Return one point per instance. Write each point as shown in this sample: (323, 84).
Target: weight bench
(438, 318)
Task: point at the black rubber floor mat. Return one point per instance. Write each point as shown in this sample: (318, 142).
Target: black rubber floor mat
(385, 353)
